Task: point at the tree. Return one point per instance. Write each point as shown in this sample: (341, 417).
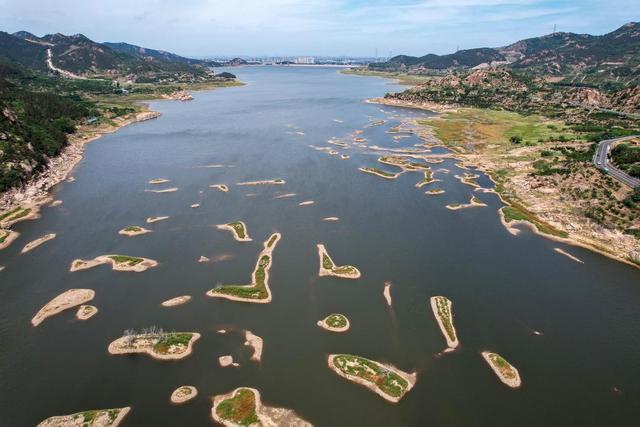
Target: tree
(516, 139)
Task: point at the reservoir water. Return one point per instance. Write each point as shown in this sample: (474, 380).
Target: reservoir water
(583, 369)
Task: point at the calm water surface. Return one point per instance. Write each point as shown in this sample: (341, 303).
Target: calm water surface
(583, 370)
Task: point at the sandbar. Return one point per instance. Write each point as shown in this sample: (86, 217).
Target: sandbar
(133, 230)
(118, 263)
(98, 418)
(195, 205)
(159, 345)
(386, 381)
(258, 290)
(328, 267)
(238, 229)
(37, 242)
(7, 237)
(244, 407)
(225, 361)
(153, 219)
(64, 301)
(380, 173)
(55, 203)
(285, 196)
(203, 259)
(387, 292)
(434, 192)
(166, 190)
(568, 255)
(474, 202)
(331, 218)
(86, 312)
(441, 307)
(306, 203)
(335, 323)
(159, 181)
(507, 373)
(176, 301)
(183, 394)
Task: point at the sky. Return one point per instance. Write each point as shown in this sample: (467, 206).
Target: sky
(322, 27)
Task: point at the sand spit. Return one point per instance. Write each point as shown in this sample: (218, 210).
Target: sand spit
(328, 267)
(55, 203)
(468, 179)
(99, 418)
(441, 307)
(401, 150)
(335, 323)
(264, 182)
(338, 143)
(183, 394)
(306, 203)
(177, 301)
(243, 405)
(225, 361)
(507, 373)
(331, 218)
(2, 267)
(474, 202)
(7, 237)
(238, 229)
(258, 290)
(195, 205)
(157, 345)
(37, 242)
(86, 312)
(338, 121)
(256, 343)
(159, 181)
(134, 230)
(203, 259)
(374, 373)
(387, 292)
(64, 301)
(166, 190)
(568, 255)
(285, 196)
(153, 219)
(118, 263)
(434, 192)
(221, 187)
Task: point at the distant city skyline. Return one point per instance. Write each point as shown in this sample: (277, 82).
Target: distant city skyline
(355, 28)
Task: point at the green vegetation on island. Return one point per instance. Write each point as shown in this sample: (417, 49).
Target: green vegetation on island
(93, 418)
(124, 259)
(155, 342)
(14, 214)
(329, 268)
(507, 373)
(335, 322)
(380, 173)
(240, 408)
(441, 307)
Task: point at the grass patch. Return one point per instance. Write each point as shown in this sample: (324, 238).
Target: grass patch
(241, 408)
(445, 316)
(172, 339)
(15, 213)
(238, 227)
(517, 212)
(256, 290)
(124, 259)
(336, 321)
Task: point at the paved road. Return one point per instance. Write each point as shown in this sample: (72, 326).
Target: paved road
(601, 161)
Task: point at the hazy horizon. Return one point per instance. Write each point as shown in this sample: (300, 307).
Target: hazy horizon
(358, 28)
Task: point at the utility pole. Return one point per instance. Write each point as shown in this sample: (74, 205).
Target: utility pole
(555, 28)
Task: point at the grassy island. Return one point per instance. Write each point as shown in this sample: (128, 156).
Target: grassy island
(335, 323)
(156, 343)
(86, 312)
(7, 237)
(184, 394)
(244, 407)
(441, 307)
(118, 263)
(380, 173)
(474, 202)
(238, 229)
(385, 380)
(18, 214)
(94, 418)
(328, 267)
(393, 161)
(428, 179)
(507, 373)
(133, 230)
(258, 290)
(64, 301)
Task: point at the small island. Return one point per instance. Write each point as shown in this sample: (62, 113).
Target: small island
(387, 293)
(387, 381)
(441, 307)
(86, 312)
(306, 203)
(156, 343)
(244, 407)
(285, 196)
(256, 343)
(434, 192)
(20, 213)
(177, 301)
(183, 394)
(118, 263)
(37, 242)
(133, 230)
(474, 202)
(166, 190)
(94, 418)
(469, 179)
(507, 373)
(225, 361)
(153, 219)
(331, 218)
(380, 173)
(220, 187)
(7, 237)
(159, 181)
(238, 229)
(335, 323)
(328, 267)
(264, 182)
(64, 301)
(258, 290)
(428, 179)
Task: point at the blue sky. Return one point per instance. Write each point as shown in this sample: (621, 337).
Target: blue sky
(320, 27)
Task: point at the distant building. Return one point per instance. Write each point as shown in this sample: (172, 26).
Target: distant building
(305, 60)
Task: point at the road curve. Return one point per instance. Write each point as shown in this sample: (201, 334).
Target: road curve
(601, 161)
